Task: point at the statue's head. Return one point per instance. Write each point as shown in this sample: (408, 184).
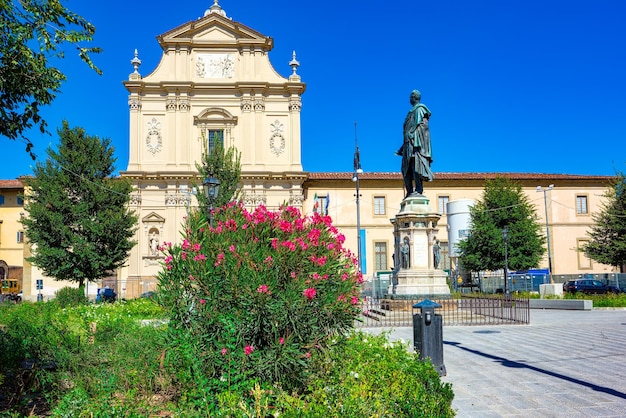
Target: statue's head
(416, 96)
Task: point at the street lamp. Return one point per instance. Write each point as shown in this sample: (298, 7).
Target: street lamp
(505, 237)
(211, 188)
(355, 178)
(545, 204)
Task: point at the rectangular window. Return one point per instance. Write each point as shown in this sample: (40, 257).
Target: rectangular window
(379, 205)
(380, 256)
(212, 136)
(581, 205)
(443, 201)
(20, 201)
(1, 200)
(20, 236)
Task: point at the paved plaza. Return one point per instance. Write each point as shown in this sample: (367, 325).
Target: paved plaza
(564, 364)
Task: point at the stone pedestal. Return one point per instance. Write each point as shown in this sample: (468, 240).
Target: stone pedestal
(415, 233)
(551, 289)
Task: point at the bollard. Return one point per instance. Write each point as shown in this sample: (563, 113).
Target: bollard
(428, 334)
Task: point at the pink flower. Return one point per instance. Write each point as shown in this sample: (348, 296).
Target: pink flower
(307, 354)
(219, 259)
(263, 289)
(191, 277)
(344, 277)
(285, 226)
(293, 274)
(196, 247)
(281, 340)
(231, 248)
(269, 260)
(202, 301)
(183, 255)
(309, 293)
(199, 257)
(274, 243)
(186, 244)
(248, 350)
(354, 300)
(224, 351)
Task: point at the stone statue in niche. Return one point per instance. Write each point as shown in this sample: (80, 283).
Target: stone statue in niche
(436, 253)
(405, 251)
(154, 244)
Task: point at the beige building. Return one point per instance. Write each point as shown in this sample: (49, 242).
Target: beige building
(215, 78)
(570, 203)
(11, 234)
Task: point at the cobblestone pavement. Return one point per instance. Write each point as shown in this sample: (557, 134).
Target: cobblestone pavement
(564, 364)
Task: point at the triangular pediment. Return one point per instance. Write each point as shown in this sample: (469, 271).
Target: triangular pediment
(153, 217)
(215, 30)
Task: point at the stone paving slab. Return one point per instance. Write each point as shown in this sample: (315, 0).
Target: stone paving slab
(564, 364)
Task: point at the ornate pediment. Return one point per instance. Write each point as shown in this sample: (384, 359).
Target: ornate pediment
(153, 217)
(215, 30)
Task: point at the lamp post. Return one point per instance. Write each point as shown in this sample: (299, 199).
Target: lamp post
(355, 178)
(211, 188)
(505, 237)
(545, 204)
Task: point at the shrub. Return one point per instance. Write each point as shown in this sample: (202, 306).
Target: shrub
(252, 298)
(71, 296)
(361, 375)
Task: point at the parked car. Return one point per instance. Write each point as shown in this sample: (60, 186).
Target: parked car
(106, 295)
(589, 286)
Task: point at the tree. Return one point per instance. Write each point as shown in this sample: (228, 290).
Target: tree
(33, 32)
(225, 165)
(504, 205)
(78, 222)
(607, 243)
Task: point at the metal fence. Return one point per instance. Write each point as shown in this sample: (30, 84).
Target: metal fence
(530, 281)
(468, 310)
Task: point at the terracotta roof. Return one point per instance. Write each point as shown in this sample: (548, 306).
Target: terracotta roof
(11, 184)
(454, 176)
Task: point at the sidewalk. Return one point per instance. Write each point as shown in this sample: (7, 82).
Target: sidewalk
(564, 364)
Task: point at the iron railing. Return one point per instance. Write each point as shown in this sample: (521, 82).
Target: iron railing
(468, 310)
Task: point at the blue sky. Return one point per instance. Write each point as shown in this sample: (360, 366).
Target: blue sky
(513, 86)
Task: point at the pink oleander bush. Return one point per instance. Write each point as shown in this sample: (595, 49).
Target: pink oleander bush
(252, 298)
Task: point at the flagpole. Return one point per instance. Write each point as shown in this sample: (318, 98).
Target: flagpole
(357, 170)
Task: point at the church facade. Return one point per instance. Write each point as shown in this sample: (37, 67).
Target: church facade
(214, 80)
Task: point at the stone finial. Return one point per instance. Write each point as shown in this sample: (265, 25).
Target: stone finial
(294, 64)
(135, 62)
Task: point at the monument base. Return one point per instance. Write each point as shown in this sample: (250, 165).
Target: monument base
(421, 283)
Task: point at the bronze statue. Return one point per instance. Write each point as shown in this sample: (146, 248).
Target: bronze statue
(416, 150)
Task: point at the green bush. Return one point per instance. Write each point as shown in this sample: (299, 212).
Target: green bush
(119, 368)
(360, 375)
(254, 297)
(71, 296)
(609, 300)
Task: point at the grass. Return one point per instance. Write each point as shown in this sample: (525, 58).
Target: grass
(110, 360)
